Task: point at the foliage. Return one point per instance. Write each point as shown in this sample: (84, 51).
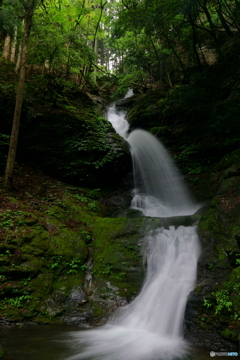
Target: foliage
(92, 205)
(16, 302)
(9, 16)
(227, 298)
(10, 219)
(78, 142)
(69, 266)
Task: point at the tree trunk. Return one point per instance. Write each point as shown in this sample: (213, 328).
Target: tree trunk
(7, 47)
(8, 177)
(223, 22)
(95, 42)
(194, 45)
(19, 52)
(208, 16)
(13, 46)
(157, 56)
(18, 58)
(96, 53)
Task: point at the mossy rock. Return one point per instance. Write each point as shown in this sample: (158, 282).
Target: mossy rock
(69, 244)
(217, 296)
(145, 114)
(36, 242)
(230, 334)
(116, 253)
(229, 160)
(67, 282)
(80, 145)
(117, 259)
(231, 183)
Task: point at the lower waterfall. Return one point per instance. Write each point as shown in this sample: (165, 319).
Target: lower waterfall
(150, 327)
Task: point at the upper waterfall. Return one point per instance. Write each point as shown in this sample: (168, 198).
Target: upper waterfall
(117, 118)
(159, 187)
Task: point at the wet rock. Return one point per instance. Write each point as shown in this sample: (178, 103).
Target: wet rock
(212, 313)
(125, 104)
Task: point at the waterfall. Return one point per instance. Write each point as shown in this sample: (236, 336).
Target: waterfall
(150, 328)
(117, 118)
(159, 188)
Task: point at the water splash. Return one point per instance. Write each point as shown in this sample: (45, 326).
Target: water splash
(150, 328)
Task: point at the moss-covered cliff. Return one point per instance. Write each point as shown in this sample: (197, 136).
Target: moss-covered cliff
(213, 311)
(60, 261)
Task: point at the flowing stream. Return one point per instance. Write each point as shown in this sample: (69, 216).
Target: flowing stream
(150, 328)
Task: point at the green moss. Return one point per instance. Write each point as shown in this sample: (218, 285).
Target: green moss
(116, 251)
(230, 334)
(37, 241)
(204, 325)
(97, 310)
(77, 210)
(65, 283)
(51, 253)
(32, 266)
(68, 243)
(208, 221)
(13, 314)
(42, 285)
(221, 253)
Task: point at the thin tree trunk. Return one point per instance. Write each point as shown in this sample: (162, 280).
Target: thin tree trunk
(95, 42)
(7, 47)
(223, 22)
(157, 56)
(208, 16)
(194, 44)
(168, 77)
(98, 23)
(13, 46)
(8, 177)
(96, 53)
(18, 58)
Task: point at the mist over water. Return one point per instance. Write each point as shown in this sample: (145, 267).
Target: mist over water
(150, 328)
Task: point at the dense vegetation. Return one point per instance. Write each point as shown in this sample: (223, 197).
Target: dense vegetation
(181, 57)
(185, 51)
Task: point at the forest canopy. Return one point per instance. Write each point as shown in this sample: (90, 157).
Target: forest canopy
(142, 42)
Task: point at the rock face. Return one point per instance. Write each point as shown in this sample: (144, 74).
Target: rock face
(125, 104)
(71, 141)
(213, 311)
(62, 262)
(80, 146)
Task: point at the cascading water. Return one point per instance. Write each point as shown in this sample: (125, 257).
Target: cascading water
(117, 118)
(159, 189)
(150, 328)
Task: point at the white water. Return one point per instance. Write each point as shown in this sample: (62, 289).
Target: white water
(159, 188)
(117, 118)
(150, 328)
